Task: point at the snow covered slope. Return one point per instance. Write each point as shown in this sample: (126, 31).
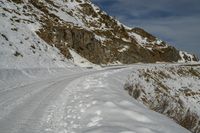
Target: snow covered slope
(39, 33)
(170, 90)
(20, 46)
(71, 101)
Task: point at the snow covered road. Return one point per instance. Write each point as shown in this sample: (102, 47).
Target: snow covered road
(22, 107)
(83, 102)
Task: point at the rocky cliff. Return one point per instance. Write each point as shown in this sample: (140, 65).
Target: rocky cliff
(81, 26)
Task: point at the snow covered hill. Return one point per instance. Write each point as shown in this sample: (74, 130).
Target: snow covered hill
(41, 33)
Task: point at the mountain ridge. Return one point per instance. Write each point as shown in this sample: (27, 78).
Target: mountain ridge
(81, 26)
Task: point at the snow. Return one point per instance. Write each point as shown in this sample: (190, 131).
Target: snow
(126, 40)
(20, 38)
(67, 100)
(63, 12)
(66, 17)
(182, 54)
(80, 61)
(142, 41)
(180, 84)
(100, 38)
(41, 91)
(125, 48)
(159, 41)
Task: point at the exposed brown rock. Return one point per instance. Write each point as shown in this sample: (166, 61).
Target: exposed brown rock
(65, 35)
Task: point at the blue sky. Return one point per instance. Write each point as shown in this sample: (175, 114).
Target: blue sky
(174, 21)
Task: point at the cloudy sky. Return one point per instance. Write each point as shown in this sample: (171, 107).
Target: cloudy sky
(174, 21)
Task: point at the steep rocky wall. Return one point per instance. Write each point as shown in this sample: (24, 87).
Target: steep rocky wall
(85, 44)
(66, 37)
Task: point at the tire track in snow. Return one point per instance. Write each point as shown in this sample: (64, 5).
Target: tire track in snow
(24, 114)
(26, 110)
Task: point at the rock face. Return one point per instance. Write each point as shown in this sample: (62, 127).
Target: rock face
(83, 27)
